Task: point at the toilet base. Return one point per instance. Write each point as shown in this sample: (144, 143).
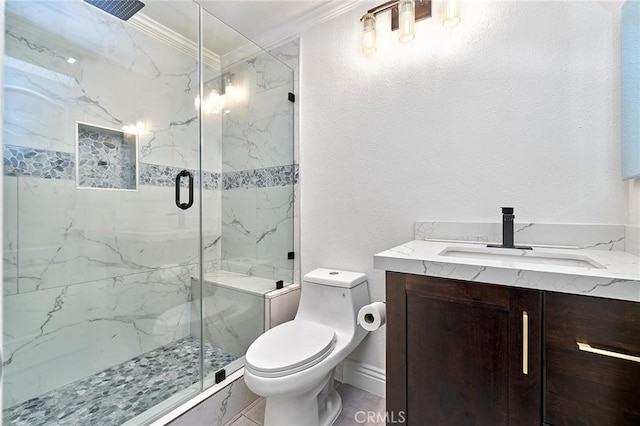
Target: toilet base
(318, 407)
(332, 409)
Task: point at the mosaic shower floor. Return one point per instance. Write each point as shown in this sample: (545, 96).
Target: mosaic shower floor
(118, 394)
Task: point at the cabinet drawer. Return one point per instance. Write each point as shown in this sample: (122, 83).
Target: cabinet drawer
(598, 381)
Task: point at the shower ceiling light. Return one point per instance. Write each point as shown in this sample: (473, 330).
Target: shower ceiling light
(71, 60)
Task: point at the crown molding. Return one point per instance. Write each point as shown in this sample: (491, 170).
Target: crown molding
(276, 37)
(304, 22)
(265, 41)
(178, 41)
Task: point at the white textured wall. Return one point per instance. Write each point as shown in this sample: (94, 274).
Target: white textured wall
(519, 105)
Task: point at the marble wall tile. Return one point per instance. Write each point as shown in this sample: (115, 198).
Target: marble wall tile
(259, 133)
(274, 230)
(257, 231)
(232, 319)
(70, 332)
(105, 274)
(238, 219)
(258, 147)
(37, 99)
(632, 238)
(212, 229)
(598, 237)
(110, 38)
(262, 72)
(10, 235)
(220, 408)
(84, 236)
(297, 274)
(212, 142)
(135, 66)
(289, 53)
(90, 235)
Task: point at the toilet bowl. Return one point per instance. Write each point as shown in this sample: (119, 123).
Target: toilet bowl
(292, 365)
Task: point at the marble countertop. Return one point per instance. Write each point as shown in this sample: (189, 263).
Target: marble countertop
(619, 279)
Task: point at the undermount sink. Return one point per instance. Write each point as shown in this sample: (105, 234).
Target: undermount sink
(534, 256)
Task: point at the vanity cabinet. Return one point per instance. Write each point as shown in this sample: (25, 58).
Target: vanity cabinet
(461, 353)
(466, 353)
(592, 361)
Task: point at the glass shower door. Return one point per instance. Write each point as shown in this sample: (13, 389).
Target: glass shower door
(100, 119)
(148, 207)
(248, 142)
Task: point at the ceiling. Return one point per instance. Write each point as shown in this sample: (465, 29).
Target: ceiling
(255, 18)
(229, 23)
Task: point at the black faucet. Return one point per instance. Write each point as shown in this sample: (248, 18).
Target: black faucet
(507, 231)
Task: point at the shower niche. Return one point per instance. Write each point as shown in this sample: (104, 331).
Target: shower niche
(107, 158)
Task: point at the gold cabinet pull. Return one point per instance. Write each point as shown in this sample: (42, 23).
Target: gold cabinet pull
(525, 342)
(588, 348)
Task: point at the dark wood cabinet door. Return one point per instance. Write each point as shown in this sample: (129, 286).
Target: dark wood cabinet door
(466, 360)
(586, 386)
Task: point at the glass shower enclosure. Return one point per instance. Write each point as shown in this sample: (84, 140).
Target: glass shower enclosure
(148, 207)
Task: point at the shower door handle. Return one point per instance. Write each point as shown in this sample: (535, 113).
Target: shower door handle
(179, 177)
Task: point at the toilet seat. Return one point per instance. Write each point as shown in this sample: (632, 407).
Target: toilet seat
(290, 347)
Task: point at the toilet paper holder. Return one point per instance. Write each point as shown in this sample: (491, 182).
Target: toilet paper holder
(372, 316)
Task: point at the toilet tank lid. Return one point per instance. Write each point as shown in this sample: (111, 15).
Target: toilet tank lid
(335, 277)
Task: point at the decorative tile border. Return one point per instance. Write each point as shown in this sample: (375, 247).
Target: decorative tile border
(261, 178)
(40, 163)
(158, 175)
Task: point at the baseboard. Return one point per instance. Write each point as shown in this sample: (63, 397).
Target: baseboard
(364, 376)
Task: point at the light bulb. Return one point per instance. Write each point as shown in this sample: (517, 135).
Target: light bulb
(450, 13)
(369, 33)
(230, 91)
(407, 20)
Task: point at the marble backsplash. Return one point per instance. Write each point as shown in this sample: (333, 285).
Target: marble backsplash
(595, 237)
(632, 238)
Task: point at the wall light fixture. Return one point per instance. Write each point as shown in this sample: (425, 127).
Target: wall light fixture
(404, 15)
(450, 13)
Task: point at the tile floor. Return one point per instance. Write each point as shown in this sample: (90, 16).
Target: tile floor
(356, 403)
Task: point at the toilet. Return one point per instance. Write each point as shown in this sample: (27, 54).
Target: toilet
(292, 365)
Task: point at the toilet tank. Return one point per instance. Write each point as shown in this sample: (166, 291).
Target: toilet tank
(333, 298)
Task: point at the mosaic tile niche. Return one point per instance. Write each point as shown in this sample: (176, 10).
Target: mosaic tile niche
(106, 158)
